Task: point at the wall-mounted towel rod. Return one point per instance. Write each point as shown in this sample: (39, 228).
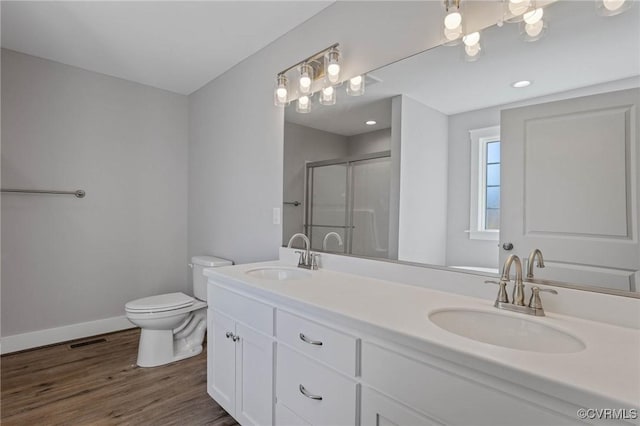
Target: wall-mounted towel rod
(79, 193)
(293, 203)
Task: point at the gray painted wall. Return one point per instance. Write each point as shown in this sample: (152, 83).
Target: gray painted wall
(423, 183)
(68, 260)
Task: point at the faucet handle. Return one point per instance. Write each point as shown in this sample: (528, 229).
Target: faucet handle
(535, 301)
(302, 259)
(314, 260)
(502, 293)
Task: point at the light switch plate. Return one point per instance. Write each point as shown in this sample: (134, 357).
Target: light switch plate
(276, 216)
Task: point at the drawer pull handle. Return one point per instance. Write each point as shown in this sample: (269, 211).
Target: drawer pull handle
(309, 395)
(309, 341)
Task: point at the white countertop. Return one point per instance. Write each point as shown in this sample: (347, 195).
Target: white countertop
(608, 369)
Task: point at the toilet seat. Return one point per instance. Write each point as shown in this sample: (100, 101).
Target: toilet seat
(160, 303)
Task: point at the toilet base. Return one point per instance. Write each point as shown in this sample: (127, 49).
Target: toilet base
(160, 347)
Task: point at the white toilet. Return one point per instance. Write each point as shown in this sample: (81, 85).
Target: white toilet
(173, 324)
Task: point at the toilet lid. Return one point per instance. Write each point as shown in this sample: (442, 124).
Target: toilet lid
(160, 303)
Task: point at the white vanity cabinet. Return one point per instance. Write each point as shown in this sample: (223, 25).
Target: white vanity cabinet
(240, 354)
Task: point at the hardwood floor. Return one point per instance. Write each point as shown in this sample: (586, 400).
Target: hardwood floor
(99, 384)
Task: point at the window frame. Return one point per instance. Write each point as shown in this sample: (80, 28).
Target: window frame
(479, 138)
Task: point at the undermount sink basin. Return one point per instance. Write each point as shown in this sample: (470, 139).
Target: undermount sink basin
(279, 273)
(506, 330)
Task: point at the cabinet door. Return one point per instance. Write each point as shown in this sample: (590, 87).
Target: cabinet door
(254, 377)
(221, 363)
(378, 410)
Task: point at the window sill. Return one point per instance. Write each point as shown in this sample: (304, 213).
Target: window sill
(484, 235)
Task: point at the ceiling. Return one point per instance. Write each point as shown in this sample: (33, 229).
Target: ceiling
(580, 49)
(173, 45)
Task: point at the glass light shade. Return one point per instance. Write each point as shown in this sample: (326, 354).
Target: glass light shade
(515, 10)
(472, 53)
(281, 92)
(612, 7)
(304, 104)
(533, 32)
(533, 16)
(305, 80)
(328, 96)
(356, 86)
(332, 66)
(471, 39)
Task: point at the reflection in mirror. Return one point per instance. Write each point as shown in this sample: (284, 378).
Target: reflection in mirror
(532, 146)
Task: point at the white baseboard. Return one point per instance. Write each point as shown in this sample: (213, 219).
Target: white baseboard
(34, 339)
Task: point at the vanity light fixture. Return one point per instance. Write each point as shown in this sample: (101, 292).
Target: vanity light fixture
(521, 84)
(356, 86)
(533, 26)
(612, 7)
(371, 122)
(280, 95)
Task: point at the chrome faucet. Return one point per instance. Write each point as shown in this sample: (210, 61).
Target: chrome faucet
(517, 303)
(307, 260)
(326, 239)
(532, 257)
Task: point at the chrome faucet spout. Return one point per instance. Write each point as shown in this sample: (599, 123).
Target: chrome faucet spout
(326, 239)
(532, 257)
(307, 259)
(518, 288)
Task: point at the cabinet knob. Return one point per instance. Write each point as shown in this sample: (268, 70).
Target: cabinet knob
(229, 334)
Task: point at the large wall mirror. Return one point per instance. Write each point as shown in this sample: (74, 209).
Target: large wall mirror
(458, 164)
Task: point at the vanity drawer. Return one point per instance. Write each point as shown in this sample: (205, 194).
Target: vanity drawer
(337, 349)
(449, 397)
(298, 373)
(241, 308)
(286, 417)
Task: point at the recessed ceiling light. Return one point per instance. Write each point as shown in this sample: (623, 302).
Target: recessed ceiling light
(370, 122)
(520, 84)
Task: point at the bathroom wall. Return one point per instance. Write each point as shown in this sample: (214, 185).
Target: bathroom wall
(423, 183)
(367, 143)
(65, 260)
(235, 152)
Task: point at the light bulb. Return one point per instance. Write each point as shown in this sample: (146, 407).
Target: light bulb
(534, 16)
(452, 20)
(518, 7)
(534, 30)
(304, 82)
(355, 86)
(473, 50)
(303, 105)
(453, 34)
(281, 92)
(333, 69)
(328, 96)
(471, 39)
(613, 5)
(332, 63)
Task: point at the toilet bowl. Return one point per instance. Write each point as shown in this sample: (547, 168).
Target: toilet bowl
(173, 325)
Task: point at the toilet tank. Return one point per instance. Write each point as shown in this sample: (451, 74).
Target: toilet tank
(199, 263)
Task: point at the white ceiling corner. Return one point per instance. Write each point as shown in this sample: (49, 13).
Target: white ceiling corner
(173, 45)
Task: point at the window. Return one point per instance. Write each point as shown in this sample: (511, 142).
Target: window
(484, 216)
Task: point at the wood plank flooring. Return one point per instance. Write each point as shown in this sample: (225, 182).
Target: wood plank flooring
(100, 384)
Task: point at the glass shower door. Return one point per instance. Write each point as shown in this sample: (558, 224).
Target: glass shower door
(327, 193)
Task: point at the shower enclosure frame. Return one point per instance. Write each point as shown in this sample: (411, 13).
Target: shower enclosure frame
(308, 194)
